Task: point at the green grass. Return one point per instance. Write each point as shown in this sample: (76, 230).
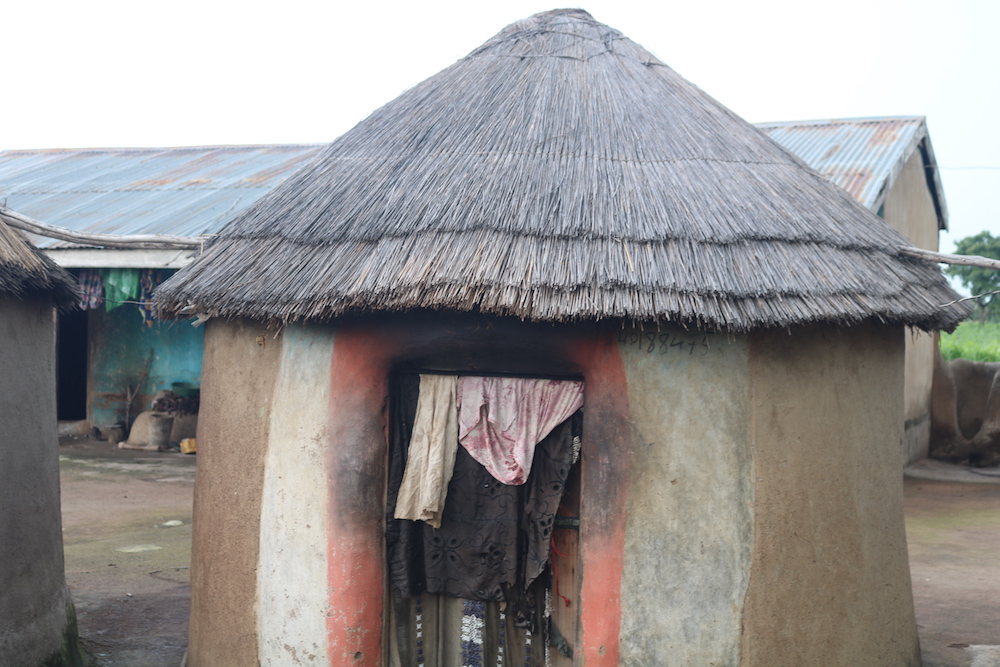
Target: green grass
(973, 341)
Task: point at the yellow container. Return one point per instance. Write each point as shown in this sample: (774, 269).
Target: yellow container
(189, 446)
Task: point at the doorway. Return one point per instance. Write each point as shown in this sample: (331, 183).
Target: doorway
(71, 365)
(496, 583)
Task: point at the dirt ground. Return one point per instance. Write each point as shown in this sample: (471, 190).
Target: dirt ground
(953, 534)
(127, 559)
(126, 556)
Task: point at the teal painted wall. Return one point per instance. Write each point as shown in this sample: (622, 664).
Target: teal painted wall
(119, 346)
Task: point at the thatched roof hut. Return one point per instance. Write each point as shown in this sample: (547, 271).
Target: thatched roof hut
(561, 205)
(25, 271)
(37, 622)
(561, 172)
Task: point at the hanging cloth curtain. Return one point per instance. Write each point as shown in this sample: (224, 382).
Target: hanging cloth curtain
(490, 537)
(430, 460)
(501, 419)
(493, 539)
(494, 545)
(91, 289)
(120, 285)
(147, 283)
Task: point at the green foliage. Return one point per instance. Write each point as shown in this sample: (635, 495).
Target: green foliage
(976, 279)
(973, 341)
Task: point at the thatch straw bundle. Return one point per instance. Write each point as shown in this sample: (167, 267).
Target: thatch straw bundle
(560, 172)
(27, 272)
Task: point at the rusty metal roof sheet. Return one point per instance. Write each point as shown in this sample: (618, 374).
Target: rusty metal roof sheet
(863, 155)
(184, 191)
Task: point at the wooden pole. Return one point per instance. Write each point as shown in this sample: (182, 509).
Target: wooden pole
(944, 258)
(130, 394)
(125, 241)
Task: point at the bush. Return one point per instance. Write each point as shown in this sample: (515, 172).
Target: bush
(972, 341)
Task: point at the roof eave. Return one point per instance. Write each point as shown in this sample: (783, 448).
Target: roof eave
(933, 175)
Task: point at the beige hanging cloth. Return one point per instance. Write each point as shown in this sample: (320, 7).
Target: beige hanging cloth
(430, 458)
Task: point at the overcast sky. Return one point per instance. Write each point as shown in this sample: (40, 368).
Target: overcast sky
(108, 73)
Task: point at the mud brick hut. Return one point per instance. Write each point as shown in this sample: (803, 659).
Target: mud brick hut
(37, 623)
(557, 205)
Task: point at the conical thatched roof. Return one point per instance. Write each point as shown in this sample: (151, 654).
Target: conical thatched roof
(26, 271)
(561, 172)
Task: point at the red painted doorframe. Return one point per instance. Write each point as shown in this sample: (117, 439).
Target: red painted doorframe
(363, 356)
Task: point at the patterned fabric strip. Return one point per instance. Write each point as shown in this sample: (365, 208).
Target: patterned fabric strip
(547, 622)
(420, 631)
(473, 622)
(502, 639)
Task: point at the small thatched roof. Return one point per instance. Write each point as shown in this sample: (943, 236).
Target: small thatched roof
(26, 272)
(560, 172)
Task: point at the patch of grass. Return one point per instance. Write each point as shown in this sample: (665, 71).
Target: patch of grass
(972, 341)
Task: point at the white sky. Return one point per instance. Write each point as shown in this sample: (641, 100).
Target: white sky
(196, 72)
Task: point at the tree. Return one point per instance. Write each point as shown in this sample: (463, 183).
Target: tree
(976, 279)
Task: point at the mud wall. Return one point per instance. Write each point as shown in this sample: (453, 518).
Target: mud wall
(830, 581)
(909, 209)
(35, 608)
(965, 412)
(973, 382)
(690, 524)
(741, 500)
(240, 371)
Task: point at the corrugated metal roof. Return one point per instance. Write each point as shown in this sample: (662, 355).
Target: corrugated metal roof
(197, 190)
(862, 155)
(184, 191)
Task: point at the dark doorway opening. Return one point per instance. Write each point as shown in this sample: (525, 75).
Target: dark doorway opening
(71, 366)
(497, 582)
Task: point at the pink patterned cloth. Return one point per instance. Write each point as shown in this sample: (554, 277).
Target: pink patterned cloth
(500, 420)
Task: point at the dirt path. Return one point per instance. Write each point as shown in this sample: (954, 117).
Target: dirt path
(127, 540)
(953, 534)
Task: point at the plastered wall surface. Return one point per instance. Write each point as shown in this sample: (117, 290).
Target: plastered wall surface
(918, 380)
(909, 209)
(33, 595)
(908, 206)
(291, 575)
(119, 346)
(689, 528)
(240, 371)
(830, 582)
